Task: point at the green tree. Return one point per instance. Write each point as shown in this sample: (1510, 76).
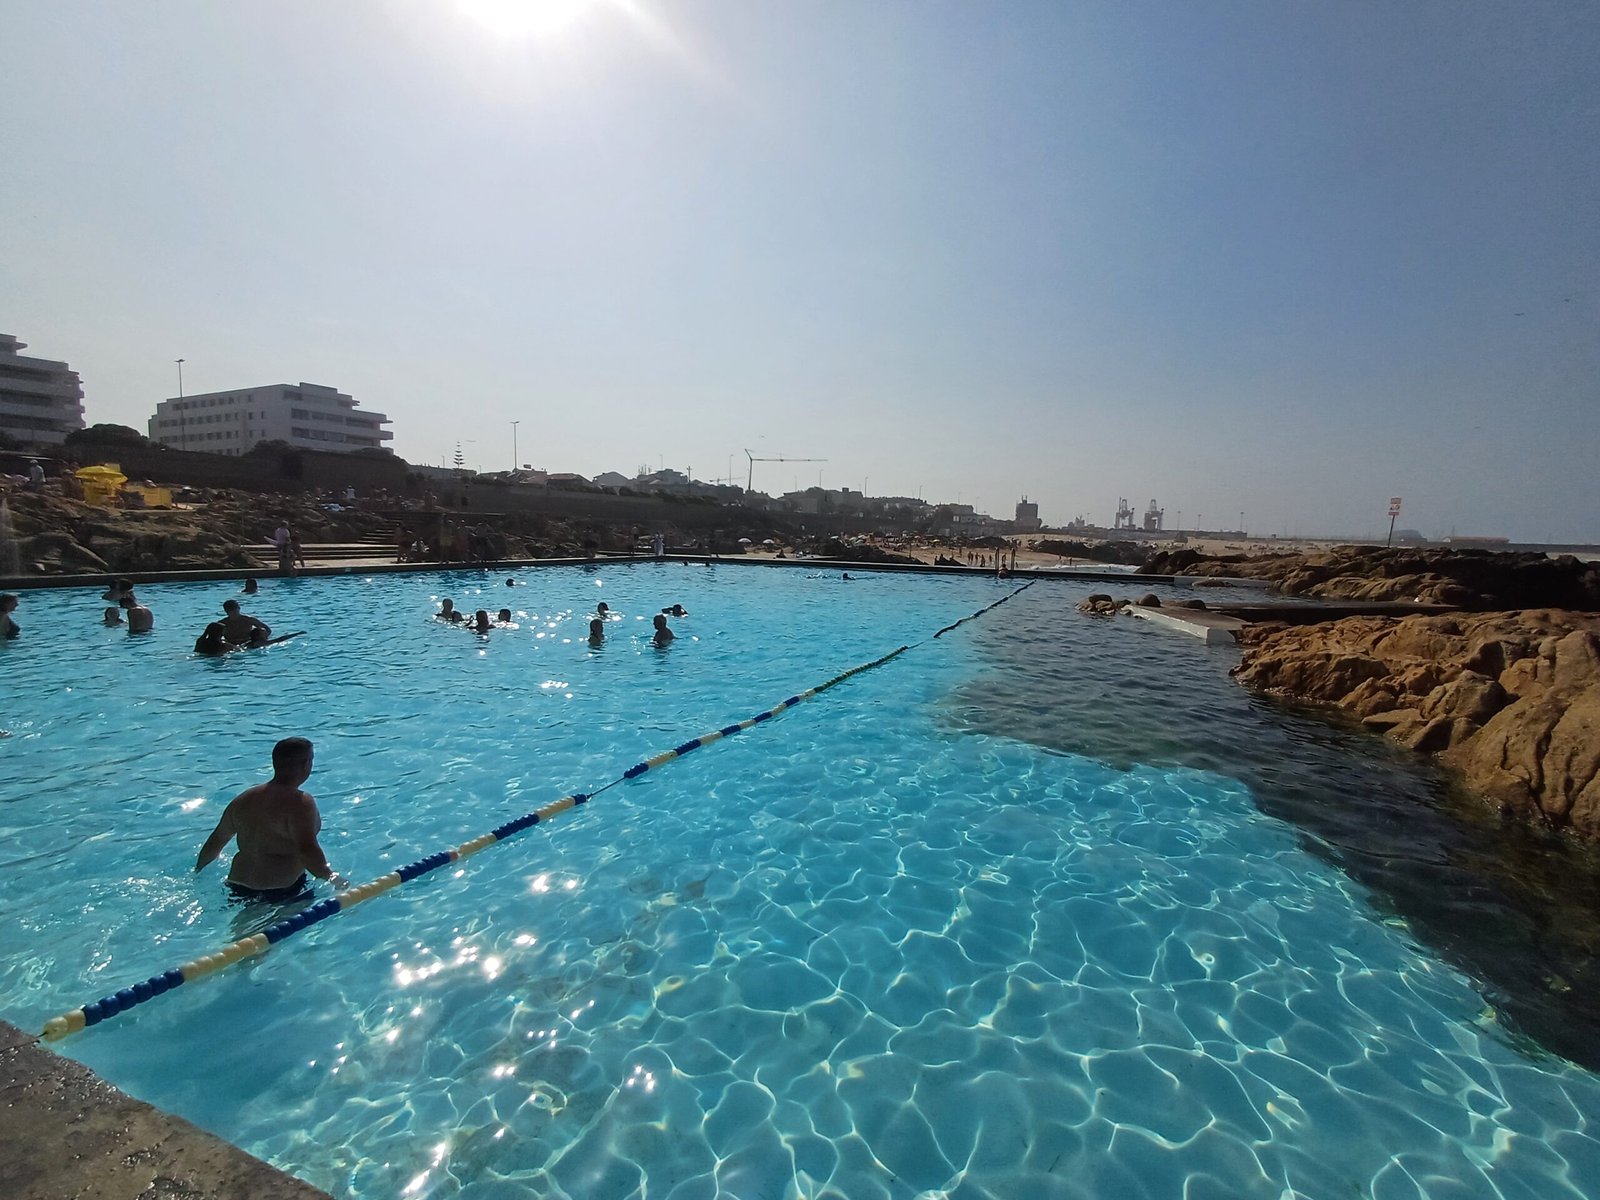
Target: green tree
(106, 435)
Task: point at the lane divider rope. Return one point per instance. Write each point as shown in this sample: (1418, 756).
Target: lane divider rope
(78, 1019)
(986, 608)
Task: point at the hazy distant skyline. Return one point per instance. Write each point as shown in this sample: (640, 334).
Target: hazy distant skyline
(1278, 258)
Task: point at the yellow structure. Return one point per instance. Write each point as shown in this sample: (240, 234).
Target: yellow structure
(146, 495)
(101, 484)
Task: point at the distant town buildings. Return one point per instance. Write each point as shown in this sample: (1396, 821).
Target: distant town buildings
(1028, 516)
(308, 415)
(41, 400)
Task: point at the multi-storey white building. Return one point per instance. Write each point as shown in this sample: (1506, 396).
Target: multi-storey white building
(308, 415)
(40, 400)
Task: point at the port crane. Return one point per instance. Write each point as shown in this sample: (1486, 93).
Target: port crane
(754, 459)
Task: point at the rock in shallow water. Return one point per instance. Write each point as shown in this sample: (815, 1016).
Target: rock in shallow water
(1511, 700)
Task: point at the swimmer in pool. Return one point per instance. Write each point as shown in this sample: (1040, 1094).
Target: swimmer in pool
(597, 632)
(277, 825)
(447, 611)
(251, 587)
(117, 589)
(112, 616)
(480, 621)
(214, 641)
(663, 635)
(8, 605)
(140, 618)
(604, 610)
(241, 629)
(676, 610)
(504, 616)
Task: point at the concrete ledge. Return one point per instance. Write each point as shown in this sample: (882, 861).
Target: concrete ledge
(1213, 628)
(71, 1135)
(98, 580)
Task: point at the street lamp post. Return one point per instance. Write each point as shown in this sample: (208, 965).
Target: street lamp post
(183, 426)
(514, 425)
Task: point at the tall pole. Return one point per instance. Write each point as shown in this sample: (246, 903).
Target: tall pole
(514, 425)
(183, 428)
(1389, 541)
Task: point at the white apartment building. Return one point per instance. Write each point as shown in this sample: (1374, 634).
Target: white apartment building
(40, 400)
(308, 415)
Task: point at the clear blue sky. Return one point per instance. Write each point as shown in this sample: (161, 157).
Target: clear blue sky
(1285, 258)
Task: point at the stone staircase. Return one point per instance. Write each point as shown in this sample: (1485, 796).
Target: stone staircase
(375, 551)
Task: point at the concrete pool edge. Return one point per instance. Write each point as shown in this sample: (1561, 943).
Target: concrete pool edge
(17, 583)
(70, 1133)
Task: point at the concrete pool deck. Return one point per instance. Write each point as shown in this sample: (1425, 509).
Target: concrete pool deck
(1213, 628)
(69, 1135)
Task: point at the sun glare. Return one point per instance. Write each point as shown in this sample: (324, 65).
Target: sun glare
(525, 18)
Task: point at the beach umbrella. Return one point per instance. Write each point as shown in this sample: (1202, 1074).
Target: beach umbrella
(744, 541)
(100, 484)
(769, 542)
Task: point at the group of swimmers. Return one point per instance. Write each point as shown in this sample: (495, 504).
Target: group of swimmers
(125, 608)
(236, 631)
(481, 623)
(276, 824)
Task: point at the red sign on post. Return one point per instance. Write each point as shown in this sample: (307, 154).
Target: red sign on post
(1394, 506)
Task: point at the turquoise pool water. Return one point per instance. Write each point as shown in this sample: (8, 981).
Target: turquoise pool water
(1018, 914)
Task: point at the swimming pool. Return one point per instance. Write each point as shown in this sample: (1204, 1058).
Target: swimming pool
(900, 941)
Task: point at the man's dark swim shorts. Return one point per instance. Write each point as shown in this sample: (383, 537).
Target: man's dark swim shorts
(300, 889)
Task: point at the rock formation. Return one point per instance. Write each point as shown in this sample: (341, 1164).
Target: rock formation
(1129, 554)
(843, 552)
(1101, 605)
(1481, 580)
(57, 535)
(1509, 699)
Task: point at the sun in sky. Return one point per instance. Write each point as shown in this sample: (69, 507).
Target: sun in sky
(525, 18)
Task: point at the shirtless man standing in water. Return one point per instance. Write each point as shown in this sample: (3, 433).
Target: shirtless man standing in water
(277, 826)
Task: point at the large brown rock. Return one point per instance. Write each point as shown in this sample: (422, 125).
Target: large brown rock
(1481, 580)
(1509, 699)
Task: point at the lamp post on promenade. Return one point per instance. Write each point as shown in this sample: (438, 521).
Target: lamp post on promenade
(514, 425)
(183, 425)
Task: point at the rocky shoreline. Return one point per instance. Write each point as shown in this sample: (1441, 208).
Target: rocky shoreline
(1481, 580)
(53, 534)
(1510, 700)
